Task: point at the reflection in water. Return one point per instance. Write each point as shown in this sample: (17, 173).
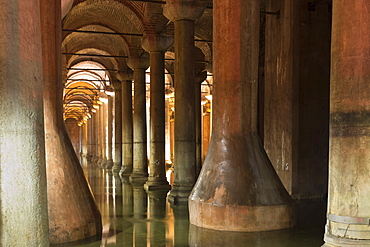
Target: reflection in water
(133, 217)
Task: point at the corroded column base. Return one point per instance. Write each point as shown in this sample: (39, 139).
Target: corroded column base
(334, 241)
(241, 218)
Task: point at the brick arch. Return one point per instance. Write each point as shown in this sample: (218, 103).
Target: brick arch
(111, 14)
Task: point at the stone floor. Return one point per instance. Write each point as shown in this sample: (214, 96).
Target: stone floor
(133, 218)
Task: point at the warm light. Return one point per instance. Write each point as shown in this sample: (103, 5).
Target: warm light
(103, 100)
(93, 110)
(96, 106)
(99, 102)
(109, 93)
(204, 102)
(209, 97)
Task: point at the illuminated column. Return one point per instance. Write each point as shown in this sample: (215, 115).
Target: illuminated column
(183, 14)
(140, 163)
(348, 215)
(110, 133)
(73, 214)
(238, 188)
(127, 123)
(157, 45)
(117, 157)
(103, 134)
(23, 202)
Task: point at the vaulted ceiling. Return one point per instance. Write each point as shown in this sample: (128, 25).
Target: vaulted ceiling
(99, 36)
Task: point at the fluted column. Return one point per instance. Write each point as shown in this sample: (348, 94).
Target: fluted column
(238, 188)
(140, 164)
(23, 200)
(183, 14)
(348, 213)
(73, 214)
(157, 45)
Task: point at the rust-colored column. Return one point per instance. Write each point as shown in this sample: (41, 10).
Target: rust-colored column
(110, 133)
(157, 45)
(127, 123)
(73, 214)
(237, 189)
(183, 15)
(23, 200)
(140, 163)
(117, 157)
(348, 213)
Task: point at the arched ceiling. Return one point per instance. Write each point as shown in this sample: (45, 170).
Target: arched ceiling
(102, 34)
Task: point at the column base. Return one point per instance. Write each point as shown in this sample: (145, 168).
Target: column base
(179, 195)
(157, 186)
(241, 218)
(109, 164)
(138, 179)
(334, 241)
(125, 171)
(116, 168)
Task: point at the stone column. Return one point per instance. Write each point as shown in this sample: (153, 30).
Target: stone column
(117, 157)
(183, 14)
(110, 133)
(127, 123)
(140, 163)
(73, 214)
(200, 76)
(102, 135)
(348, 213)
(23, 200)
(238, 188)
(157, 45)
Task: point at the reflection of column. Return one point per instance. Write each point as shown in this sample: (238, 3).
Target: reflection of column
(156, 214)
(110, 133)
(23, 204)
(73, 214)
(127, 124)
(140, 210)
(238, 189)
(127, 198)
(140, 163)
(183, 14)
(117, 157)
(157, 45)
(348, 213)
(181, 214)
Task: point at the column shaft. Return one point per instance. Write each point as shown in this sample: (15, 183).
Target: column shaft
(157, 176)
(117, 158)
(140, 163)
(23, 207)
(237, 189)
(185, 151)
(349, 151)
(127, 128)
(79, 217)
(110, 133)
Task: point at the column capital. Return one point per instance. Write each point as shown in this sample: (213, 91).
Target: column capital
(141, 61)
(155, 42)
(117, 85)
(125, 75)
(176, 10)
